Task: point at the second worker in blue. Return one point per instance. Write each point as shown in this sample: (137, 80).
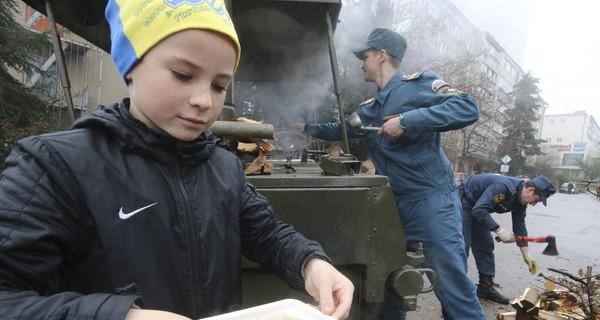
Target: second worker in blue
(484, 194)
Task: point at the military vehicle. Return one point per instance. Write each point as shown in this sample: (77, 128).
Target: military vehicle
(287, 49)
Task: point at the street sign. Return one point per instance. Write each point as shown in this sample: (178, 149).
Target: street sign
(504, 168)
(506, 159)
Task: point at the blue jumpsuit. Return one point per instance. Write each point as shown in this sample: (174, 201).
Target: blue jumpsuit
(422, 180)
(483, 194)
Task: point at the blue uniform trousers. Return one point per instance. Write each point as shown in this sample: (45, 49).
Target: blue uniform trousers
(436, 223)
(479, 239)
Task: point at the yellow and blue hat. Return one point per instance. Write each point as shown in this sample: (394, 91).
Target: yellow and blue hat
(138, 25)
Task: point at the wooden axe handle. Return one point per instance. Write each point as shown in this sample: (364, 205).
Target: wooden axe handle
(531, 239)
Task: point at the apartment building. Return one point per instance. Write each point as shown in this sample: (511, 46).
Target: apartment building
(443, 33)
(93, 77)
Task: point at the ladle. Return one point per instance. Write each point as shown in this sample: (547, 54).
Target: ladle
(354, 121)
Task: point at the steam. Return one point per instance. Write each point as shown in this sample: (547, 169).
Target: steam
(299, 89)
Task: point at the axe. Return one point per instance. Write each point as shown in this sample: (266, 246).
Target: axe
(550, 248)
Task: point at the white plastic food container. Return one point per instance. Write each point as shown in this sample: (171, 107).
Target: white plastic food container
(288, 309)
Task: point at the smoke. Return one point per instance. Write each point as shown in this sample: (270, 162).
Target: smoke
(283, 80)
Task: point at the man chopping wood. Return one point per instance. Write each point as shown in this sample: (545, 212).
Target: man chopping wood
(483, 194)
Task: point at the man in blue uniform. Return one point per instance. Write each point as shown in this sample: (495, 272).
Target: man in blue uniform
(483, 194)
(412, 111)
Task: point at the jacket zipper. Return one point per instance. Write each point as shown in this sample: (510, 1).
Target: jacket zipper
(192, 242)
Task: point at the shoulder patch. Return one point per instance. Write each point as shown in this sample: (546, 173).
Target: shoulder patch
(438, 84)
(498, 198)
(413, 76)
(369, 101)
(446, 89)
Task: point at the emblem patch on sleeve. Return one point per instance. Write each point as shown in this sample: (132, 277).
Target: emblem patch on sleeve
(498, 198)
(437, 84)
(446, 89)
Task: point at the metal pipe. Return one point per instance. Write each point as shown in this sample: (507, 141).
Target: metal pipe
(242, 130)
(336, 84)
(60, 59)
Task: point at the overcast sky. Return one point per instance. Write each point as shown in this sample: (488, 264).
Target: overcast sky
(560, 43)
(563, 50)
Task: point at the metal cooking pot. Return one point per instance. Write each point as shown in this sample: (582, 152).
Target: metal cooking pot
(289, 141)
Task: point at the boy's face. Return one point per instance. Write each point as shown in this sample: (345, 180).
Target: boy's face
(179, 86)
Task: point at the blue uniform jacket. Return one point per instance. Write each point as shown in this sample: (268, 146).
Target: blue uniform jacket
(487, 193)
(415, 164)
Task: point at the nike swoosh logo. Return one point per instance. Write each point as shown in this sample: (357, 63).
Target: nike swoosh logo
(125, 216)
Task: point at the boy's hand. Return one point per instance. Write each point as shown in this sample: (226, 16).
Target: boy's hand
(329, 287)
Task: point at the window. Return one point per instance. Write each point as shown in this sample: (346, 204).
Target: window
(505, 86)
(492, 51)
(85, 96)
(489, 72)
(558, 139)
(549, 140)
(551, 121)
(510, 68)
(443, 48)
(485, 94)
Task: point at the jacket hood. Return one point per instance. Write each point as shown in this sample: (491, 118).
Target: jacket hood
(135, 136)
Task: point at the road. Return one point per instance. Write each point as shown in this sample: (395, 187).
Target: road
(574, 219)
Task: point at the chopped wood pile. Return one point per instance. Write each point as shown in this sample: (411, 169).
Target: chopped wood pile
(562, 299)
(259, 147)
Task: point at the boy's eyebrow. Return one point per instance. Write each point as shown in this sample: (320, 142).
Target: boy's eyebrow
(190, 64)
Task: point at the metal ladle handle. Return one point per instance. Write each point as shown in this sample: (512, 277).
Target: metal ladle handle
(370, 128)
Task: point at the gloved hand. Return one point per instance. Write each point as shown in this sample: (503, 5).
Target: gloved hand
(533, 267)
(505, 236)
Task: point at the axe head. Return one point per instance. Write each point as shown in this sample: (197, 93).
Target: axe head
(551, 247)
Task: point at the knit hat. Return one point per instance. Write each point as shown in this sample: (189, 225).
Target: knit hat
(136, 26)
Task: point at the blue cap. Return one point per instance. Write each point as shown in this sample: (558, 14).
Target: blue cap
(380, 38)
(544, 187)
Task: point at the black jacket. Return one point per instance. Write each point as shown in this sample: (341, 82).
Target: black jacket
(93, 218)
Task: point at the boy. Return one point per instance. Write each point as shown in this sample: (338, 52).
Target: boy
(135, 209)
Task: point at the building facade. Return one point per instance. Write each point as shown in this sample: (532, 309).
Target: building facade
(446, 42)
(93, 77)
(571, 139)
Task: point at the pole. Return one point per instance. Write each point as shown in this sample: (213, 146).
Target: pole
(60, 59)
(336, 84)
